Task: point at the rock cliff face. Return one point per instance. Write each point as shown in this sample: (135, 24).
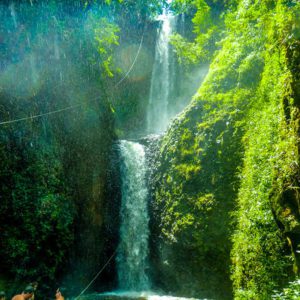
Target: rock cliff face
(224, 200)
(59, 185)
(195, 189)
(92, 178)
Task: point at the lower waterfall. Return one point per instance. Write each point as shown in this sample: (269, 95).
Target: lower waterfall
(132, 255)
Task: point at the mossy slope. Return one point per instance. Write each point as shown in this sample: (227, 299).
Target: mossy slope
(225, 188)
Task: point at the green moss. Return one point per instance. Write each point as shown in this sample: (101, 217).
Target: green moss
(233, 157)
(260, 256)
(195, 193)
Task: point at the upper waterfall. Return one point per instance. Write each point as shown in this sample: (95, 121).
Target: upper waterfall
(157, 114)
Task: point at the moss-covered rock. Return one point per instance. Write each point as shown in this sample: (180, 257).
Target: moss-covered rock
(227, 170)
(56, 155)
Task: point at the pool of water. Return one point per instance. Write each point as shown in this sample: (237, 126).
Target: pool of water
(119, 295)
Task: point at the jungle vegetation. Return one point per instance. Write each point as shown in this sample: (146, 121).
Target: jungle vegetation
(225, 212)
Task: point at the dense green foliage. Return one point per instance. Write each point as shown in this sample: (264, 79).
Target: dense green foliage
(56, 170)
(270, 161)
(36, 211)
(225, 188)
(208, 20)
(292, 291)
(227, 169)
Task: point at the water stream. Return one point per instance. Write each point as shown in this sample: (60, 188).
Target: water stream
(161, 79)
(132, 256)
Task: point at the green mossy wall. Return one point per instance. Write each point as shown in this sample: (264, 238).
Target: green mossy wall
(57, 192)
(225, 202)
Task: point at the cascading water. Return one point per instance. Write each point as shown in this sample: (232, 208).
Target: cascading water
(157, 113)
(133, 250)
(132, 256)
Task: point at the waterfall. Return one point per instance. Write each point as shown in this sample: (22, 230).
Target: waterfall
(132, 256)
(157, 114)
